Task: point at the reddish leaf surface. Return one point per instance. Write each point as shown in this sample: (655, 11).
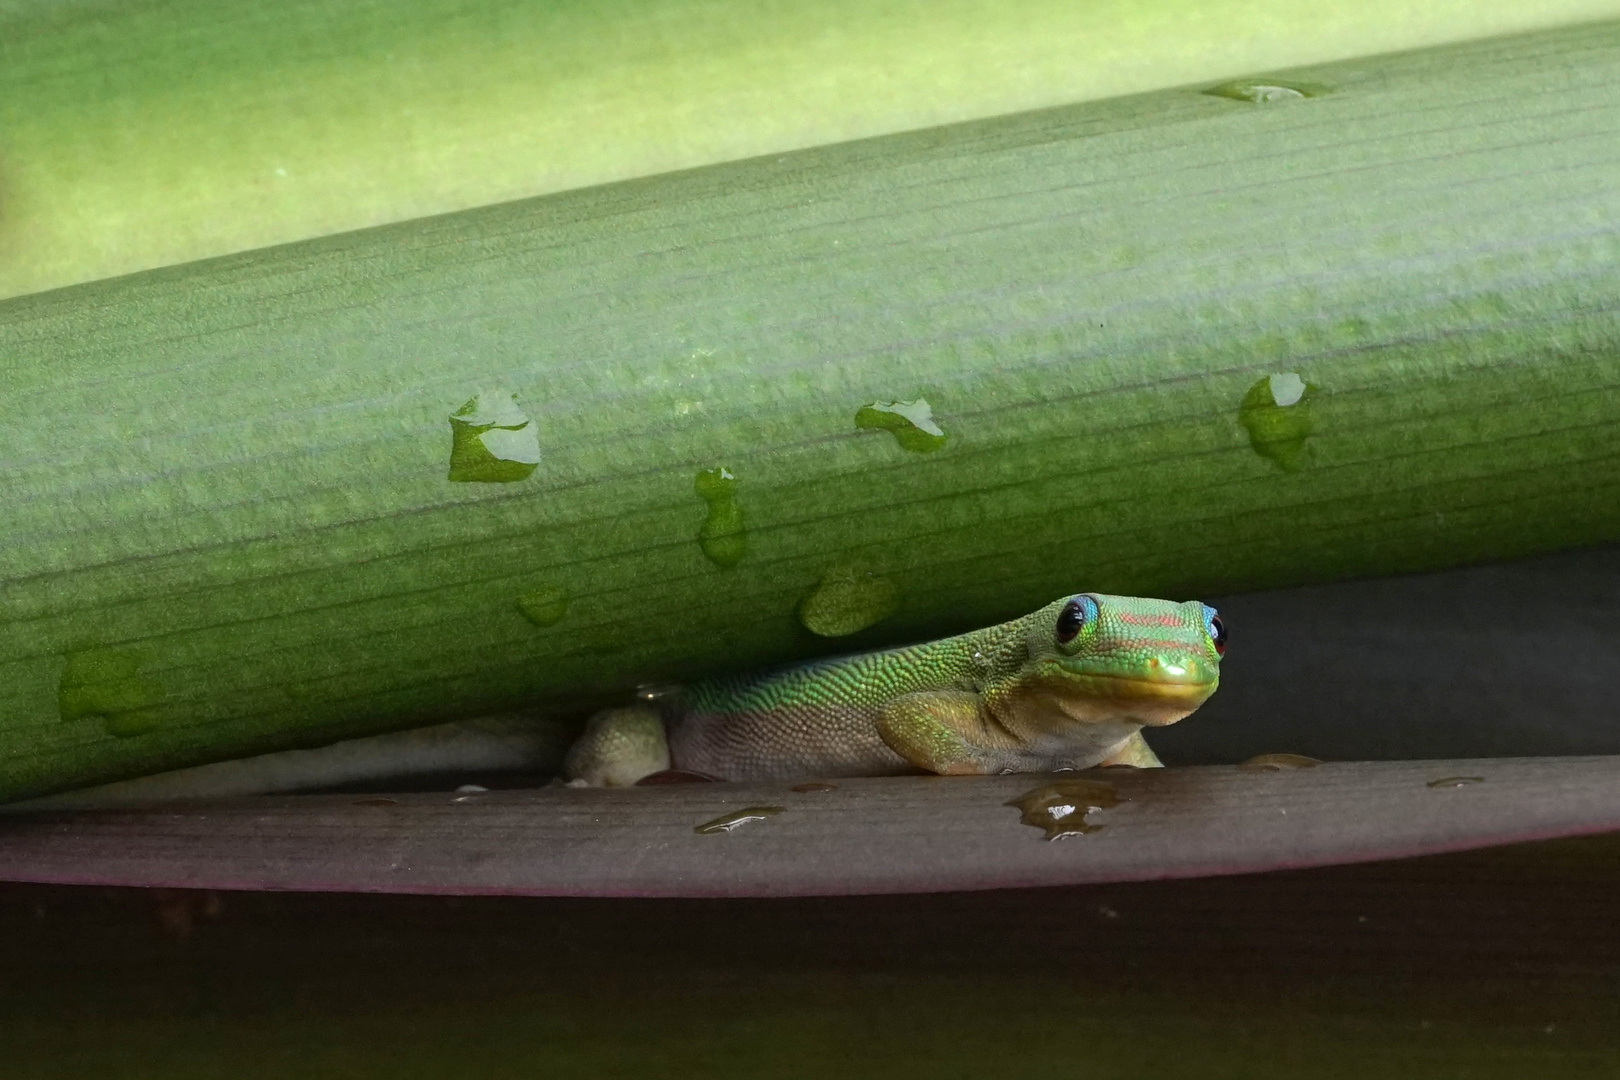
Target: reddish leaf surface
(899, 834)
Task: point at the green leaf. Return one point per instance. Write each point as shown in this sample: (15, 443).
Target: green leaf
(239, 469)
(142, 133)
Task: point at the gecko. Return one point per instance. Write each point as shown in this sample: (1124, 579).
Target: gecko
(1069, 686)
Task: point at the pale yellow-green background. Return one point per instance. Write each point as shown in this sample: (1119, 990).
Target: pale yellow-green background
(140, 133)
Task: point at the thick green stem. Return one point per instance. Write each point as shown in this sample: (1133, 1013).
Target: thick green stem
(1176, 344)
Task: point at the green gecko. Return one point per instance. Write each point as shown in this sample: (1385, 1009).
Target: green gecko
(1067, 687)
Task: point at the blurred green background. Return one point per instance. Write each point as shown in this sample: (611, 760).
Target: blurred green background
(139, 133)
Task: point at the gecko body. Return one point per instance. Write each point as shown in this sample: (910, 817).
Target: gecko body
(1066, 687)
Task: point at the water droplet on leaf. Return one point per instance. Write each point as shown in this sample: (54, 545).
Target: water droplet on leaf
(1063, 808)
(492, 441)
(544, 606)
(912, 423)
(649, 691)
(848, 599)
(722, 536)
(108, 683)
(1456, 781)
(727, 822)
(813, 786)
(1286, 389)
(1259, 92)
(1276, 412)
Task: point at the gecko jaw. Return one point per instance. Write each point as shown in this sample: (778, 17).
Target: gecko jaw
(1147, 702)
(1066, 697)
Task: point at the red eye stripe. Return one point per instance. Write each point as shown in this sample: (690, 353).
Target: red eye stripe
(1133, 619)
(1147, 644)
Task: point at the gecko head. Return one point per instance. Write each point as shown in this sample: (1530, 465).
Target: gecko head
(1125, 658)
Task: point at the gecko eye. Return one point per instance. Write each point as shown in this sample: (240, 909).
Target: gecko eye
(1074, 617)
(1216, 629)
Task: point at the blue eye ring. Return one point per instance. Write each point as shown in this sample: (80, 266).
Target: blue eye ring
(1216, 629)
(1079, 613)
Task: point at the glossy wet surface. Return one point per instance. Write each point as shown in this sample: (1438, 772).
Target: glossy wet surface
(1279, 762)
(736, 819)
(866, 835)
(1504, 963)
(1064, 807)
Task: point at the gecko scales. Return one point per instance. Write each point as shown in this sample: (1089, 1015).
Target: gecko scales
(1066, 687)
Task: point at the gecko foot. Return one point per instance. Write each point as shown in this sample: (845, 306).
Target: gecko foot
(618, 748)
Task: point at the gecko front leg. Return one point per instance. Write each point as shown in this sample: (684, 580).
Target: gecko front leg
(617, 748)
(945, 731)
(1135, 752)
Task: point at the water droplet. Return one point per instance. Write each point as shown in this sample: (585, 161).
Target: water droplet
(675, 776)
(471, 789)
(1279, 763)
(848, 599)
(1107, 912)
(1276, 412)
(727, 822)
(1063, 807)
(912, 423)
(107, 683)
(815, 785)
(1266, 92)
(649, 691)
(1286, 389)
(492, 440)
(544, 606)
(722, 536)
(1456, 781)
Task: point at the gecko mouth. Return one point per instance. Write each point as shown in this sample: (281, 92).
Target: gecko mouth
(1151, 703)
(1160, 679)
(1177, 692)
(1128, 689)
(1188, 689)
